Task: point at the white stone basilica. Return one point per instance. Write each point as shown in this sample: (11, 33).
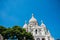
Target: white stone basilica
(39, 32)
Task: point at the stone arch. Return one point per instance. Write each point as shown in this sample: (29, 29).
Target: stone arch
(38, 39)
(43, 38)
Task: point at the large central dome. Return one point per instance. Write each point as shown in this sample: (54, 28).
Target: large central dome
(32, 19)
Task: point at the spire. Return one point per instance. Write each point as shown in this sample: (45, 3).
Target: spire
(42, 24)
(42, 21)
(32, 15)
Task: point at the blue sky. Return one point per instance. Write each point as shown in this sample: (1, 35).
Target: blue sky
(15, 12)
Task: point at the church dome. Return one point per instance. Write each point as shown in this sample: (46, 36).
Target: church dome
(25, 25)
(32, 19)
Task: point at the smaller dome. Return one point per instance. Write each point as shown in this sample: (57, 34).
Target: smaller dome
(25, 25)
(32, 19)
(42, 24)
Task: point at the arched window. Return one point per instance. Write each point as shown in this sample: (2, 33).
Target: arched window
(48, 38)
(43, 38)
(38, 38)
(36, 31)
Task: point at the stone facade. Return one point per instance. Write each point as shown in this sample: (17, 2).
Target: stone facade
(39, 32)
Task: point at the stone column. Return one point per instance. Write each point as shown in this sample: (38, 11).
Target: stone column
(46, 38)
(40, 38)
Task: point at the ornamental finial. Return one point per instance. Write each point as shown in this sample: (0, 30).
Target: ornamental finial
(41, 21)
(32, 15)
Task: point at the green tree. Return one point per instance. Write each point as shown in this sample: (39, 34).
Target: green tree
(2, 28)
(17, 31)
(7, 33)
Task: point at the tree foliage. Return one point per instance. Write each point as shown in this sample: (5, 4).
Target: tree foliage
(15, 32)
